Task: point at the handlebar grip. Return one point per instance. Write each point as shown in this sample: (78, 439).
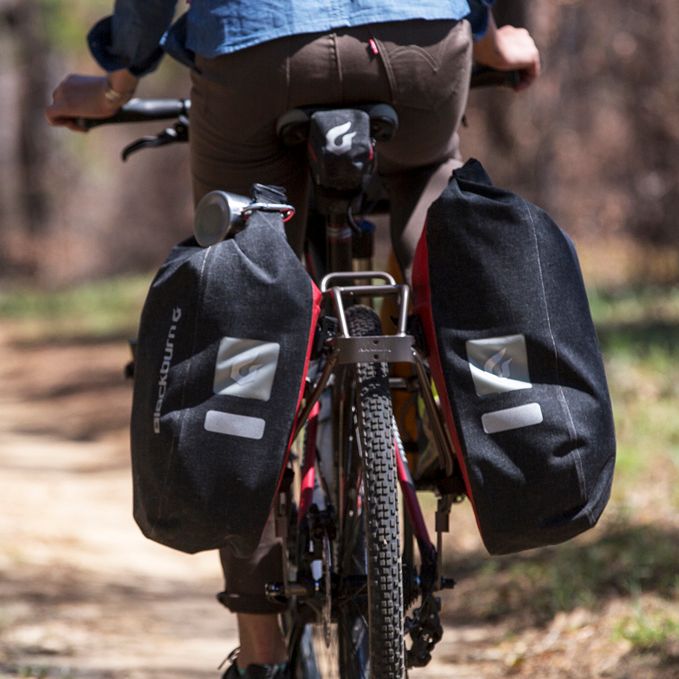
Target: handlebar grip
(484, 76)
(141, 110)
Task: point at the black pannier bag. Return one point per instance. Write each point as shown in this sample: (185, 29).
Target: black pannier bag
(516, 362)
(223, 348)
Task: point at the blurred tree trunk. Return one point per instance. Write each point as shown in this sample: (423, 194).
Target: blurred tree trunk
(32, 139)
(24, 34)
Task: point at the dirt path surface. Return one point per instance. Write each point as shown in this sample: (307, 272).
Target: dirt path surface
(83, 594)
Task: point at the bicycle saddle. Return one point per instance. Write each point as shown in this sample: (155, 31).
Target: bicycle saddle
(293, 126)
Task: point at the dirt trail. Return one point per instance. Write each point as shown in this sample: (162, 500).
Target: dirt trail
(84, 595)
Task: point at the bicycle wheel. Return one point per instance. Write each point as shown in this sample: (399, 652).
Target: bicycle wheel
(365, 639)
(384, 584)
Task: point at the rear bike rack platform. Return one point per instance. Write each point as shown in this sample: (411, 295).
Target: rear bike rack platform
(397, 348)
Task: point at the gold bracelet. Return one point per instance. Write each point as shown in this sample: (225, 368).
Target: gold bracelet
(113, 96)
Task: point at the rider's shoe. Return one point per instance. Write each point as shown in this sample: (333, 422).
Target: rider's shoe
(256, 672)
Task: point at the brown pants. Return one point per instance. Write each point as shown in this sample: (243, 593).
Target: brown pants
(419, 67)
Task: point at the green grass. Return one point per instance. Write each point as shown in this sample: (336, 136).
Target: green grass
(648, 630)
(68, 22)
(639, 321)
(40, 672)
(638, 328)
(108, 308)
(31, 671)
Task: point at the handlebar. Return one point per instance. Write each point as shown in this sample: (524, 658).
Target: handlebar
(144, 110)
(141, 110)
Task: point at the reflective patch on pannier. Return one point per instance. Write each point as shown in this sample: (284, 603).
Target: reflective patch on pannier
(511, 418)
(234, 425)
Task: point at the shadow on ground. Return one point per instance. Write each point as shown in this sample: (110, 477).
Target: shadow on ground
(624, 560)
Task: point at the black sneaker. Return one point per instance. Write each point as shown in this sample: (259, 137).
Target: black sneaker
(257, 672)
(252, 671)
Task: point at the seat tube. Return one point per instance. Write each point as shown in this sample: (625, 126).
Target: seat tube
(338, 235)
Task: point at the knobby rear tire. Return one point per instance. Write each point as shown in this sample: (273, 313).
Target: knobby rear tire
(385, 585)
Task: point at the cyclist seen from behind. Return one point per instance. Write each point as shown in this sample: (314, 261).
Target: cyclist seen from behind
(250, 63)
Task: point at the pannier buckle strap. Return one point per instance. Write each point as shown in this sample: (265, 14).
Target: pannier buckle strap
(286, 210)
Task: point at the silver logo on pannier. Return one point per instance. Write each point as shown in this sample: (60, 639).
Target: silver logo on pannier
(246, 368)
(498, 364)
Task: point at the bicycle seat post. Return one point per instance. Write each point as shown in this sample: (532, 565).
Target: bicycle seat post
(339, 238)
(341, 155)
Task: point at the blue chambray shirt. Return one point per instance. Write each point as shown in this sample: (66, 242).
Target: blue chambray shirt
(137, 34)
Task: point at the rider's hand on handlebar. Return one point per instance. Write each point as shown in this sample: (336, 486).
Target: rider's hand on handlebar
(84, 96)
(509, 49)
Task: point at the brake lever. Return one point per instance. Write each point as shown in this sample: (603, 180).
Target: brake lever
(176, 134)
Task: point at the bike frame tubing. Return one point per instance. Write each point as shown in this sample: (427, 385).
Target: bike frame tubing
(339, 261)
(411, 503)
(308, 481)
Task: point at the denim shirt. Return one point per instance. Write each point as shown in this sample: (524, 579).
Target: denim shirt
(137, 34)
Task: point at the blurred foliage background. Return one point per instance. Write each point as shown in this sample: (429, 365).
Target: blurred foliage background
(594, 143)
(70, 210)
